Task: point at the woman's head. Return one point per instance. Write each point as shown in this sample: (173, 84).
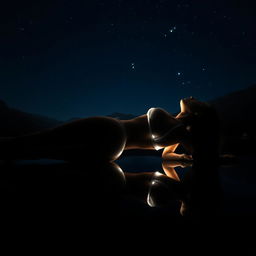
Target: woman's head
(200, 119)
(195, 110)
(193, 106)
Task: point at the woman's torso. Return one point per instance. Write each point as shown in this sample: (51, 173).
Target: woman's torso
(143, 131)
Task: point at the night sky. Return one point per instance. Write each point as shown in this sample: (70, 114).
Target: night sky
(79, 58)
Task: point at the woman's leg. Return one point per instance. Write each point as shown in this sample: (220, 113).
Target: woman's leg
(89, 138)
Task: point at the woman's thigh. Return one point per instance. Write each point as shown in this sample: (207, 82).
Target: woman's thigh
(88, 138)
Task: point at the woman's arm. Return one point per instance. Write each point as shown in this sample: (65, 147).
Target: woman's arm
(169, 154)
(139, 135)
(169, 150)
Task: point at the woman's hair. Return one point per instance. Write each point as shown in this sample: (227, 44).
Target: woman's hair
(202, 123)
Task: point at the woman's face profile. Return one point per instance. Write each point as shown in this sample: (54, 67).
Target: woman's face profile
(191, 105)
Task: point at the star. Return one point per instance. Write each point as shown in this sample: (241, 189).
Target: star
(179, 74)
(171, 30)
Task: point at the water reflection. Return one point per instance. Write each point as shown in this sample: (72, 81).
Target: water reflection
(198, 191)
(97, 187)
(202, 191)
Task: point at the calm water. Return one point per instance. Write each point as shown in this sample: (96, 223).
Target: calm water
(237, 182)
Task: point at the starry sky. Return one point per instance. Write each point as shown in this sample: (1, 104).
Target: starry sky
(66, 59)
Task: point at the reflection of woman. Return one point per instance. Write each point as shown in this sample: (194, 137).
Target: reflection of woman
(104, 138)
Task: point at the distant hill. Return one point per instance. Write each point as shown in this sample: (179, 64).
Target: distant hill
(14, 122)
(122, 116)
(237, 112)
(238, 120)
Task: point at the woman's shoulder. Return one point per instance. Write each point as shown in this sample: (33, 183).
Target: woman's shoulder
(157, 113)
(158, 120)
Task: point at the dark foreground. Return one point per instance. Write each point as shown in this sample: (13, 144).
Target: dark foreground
(93, 196)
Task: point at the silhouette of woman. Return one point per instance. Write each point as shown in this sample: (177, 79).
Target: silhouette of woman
(104, 138)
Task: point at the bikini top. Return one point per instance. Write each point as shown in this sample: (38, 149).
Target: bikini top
(160, 127)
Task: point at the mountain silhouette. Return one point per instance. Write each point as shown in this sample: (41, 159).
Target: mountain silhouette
(238, 120)
(14, 122)
(237, 112)
(122, 116)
